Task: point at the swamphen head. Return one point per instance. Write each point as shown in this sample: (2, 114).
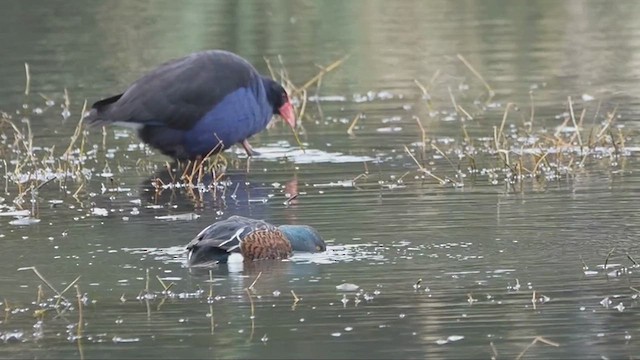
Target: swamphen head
(279, 98)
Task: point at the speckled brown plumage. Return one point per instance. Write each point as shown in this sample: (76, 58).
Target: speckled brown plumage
(265, 244)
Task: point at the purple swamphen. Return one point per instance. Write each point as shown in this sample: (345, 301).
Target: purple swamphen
(200, 104)
(252, 239)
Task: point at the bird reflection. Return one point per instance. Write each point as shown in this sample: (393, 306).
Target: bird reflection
(231, 191)
(273, 273)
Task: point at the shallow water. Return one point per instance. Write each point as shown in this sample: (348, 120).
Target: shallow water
(501, 262)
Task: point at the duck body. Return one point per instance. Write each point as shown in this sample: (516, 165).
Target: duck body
(251, 238)
(197, 105)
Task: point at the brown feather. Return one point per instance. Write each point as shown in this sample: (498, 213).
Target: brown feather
(265, 244)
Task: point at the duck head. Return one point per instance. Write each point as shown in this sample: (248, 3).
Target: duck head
(303, 238)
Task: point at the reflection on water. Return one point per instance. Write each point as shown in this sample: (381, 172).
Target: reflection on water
(470, 242)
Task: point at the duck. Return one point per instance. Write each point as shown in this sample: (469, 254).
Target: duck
(250, 239)
(197, 105)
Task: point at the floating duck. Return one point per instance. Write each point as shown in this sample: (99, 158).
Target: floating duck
(252, 240)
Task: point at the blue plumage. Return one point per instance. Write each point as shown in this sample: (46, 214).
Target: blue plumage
(187, 106)
(238, 116)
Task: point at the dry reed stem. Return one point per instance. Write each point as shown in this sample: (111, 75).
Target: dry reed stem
(493, 350)
(422, 88)
(255, 281)
(421, 168)
(6, 177)
(210, 299)
(146, 286)
(606, 260)
(477, 74)
(608, 122)
(453, 166)
(39, 275)
(269, 67)
(616, 151)
(575, 124)
(67, 99)
(453, 100)
(253, 312)
(533, 111)
(465, 113)
(322, 72)
(291, 198)
(75, 194)
(27, 85)
(425, 90)
(435, 75)
(148, 307)
(533, 299)
(425, 94)
(39, 294)
(363, 175)
(210, 284)
(77, 132)
(504, 120)
(295, 135)
(423, 132)
(80, 323)
(71, 284)
(584, 264)
(353, 124)
(303, 106)
(540, 160)
(536, 340)
(296, 299)
(164, 286)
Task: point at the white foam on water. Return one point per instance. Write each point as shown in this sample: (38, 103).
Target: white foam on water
(173, 254)
(333, 254)
(283, 150)
(339, 253)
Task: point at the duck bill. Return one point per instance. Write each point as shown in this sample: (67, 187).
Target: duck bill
(287, 113)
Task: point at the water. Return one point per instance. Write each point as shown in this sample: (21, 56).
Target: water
(501, 261)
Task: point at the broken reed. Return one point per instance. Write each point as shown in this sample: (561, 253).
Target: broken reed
(33, 169)
(550, 151)
(561, 153)
(301, 91)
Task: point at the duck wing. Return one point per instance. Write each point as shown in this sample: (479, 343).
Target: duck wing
(229, 233)
(254, 239)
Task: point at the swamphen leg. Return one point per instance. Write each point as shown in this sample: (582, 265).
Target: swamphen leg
(247, 147)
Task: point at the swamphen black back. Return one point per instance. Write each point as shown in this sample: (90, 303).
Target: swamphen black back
(196, 105)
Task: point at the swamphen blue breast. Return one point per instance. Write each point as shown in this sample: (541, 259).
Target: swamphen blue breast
(253, 239)
(196, 105)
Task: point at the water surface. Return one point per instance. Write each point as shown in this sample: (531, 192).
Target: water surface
(501, 262)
